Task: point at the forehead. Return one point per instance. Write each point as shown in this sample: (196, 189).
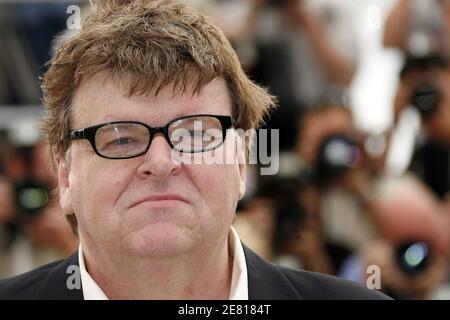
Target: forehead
(99, 99)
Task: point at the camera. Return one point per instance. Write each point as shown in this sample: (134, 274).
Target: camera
(337, 154)
(413, 257)
(425, 97)
(31, 198)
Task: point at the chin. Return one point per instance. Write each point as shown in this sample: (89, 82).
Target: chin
(161, 240)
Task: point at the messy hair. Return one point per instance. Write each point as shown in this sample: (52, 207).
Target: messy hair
(151, 44)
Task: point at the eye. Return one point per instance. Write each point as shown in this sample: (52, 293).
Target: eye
(121, 141)
(196, 133)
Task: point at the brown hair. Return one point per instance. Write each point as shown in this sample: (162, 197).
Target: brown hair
(151, 44)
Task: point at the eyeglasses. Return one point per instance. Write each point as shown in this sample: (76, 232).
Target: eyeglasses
(129, 139)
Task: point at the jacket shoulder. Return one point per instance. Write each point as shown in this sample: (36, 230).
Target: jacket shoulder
(268, 281)
(26, 285)
(318, 286)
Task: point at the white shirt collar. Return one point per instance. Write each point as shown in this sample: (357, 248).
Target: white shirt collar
(91, 290)
(239, 280)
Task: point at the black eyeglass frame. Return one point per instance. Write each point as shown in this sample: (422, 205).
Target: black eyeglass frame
(89, 133)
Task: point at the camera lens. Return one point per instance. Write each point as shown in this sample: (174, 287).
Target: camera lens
(425, 99)
(337, 154)
(31, 197)
(413, 257)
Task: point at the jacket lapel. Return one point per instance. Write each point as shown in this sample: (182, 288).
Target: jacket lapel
(266, 281)
(63, 282)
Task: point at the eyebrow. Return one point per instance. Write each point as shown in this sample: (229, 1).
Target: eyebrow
(111, 118)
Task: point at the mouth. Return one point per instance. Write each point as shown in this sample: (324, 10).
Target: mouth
(160, 200)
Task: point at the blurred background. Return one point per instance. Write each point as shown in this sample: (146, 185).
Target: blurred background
(364, 149)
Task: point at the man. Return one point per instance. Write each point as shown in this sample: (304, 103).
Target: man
(142, 89)
(412, 247)
(423, 88)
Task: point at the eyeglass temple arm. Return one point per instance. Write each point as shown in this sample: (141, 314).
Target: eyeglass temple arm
(77, 134)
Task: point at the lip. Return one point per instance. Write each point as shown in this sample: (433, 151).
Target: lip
(159, 198)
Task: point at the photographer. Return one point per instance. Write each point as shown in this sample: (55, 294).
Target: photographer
(421, 30)
(424, 87)
(412, 250)
(282, 224)
(36, 231)
(332, 151)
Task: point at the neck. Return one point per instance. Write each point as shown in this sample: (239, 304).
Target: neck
(203, 274)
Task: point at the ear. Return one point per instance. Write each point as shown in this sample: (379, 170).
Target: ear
(65, 199)
(242, 163)
(243, 180)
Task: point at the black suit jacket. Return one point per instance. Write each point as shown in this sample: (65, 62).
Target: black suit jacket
(265, 281)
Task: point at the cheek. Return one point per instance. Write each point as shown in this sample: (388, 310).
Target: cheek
(95, 190)
(218, 186)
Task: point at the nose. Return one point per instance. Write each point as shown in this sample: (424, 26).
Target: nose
(158, 161)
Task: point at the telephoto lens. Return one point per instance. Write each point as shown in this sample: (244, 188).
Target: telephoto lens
(425, 99)
(337, 154)
(31, 197)
(413, 257)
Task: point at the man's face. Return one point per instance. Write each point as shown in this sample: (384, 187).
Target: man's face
(106, 195)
